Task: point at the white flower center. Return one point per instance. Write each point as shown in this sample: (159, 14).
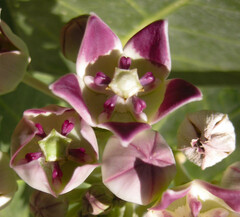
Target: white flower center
(125, 83)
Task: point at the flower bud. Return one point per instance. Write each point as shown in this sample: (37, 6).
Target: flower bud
(71, 36)
(231, 176)
(8, 183)
(53, 149)
(14, 59)
(42, 204)
(206, 137)
(97, 200)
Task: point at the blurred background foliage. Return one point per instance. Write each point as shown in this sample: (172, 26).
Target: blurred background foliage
(205, 49)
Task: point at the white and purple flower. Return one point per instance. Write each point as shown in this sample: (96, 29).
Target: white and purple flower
(53, 149)
(197, 199)
(124, 89)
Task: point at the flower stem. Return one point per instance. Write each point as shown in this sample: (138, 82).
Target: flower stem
(38, 85)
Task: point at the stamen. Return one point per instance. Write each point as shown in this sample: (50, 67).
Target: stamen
(40, 132)
(148, 78)
(57, 173)
(33, 156)
(78, 153)
(101, 79)
(125, 62)
(138, 104)
(67, 127)
(110, 104)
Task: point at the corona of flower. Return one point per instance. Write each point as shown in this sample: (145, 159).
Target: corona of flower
(53, 149)
(124, 89)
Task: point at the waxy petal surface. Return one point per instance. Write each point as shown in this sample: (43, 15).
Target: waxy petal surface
(142, 170)
(178, 93)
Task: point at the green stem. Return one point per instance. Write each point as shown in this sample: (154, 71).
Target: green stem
(38, 85)
(182, 175)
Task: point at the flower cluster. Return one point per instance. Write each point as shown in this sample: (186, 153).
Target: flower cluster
(123, 90)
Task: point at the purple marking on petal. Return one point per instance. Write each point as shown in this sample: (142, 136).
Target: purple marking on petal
(101, 79)
(125, 63)
(40, 132)
(147, 79)
(68, 88)
(138, 104)
(98, 40)
(195, 206)
(151, 43)
(178, 93)
(78, 153)
(229, 196)
(126, 131)
(56, 173)
(33, 156)
(110, 104)
(67, 127)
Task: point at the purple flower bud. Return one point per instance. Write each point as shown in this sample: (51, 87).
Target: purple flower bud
(138, 104)
(206, 137)
(71, 36)
(63, 158)
(147, 79)
(14, 59)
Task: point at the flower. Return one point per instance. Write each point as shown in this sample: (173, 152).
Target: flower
(8, 181)
(206, 137)
(140, 172)
(231, 176)
(197, 199)
(14, 59)
(53, 149)
(42, 204)
(124, 90)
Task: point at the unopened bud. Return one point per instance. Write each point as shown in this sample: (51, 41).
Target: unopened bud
(72, 35)
(42, 204)
(206, 138)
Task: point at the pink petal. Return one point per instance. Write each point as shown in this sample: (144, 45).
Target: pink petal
(126, 131)
(178, 93)
(151, 43)
(229, 196)
(98, 40)
(141, 171)
(170, 196)
(67, 87)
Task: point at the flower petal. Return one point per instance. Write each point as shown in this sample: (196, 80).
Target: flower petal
(68, 88)
(178, 93)
(151, 43)
(229, 196)
(98, 40)
(126, 131)
(147, 161)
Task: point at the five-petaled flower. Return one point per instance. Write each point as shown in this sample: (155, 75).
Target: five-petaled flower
(53, 149)
(124, 90)
(197, 199)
